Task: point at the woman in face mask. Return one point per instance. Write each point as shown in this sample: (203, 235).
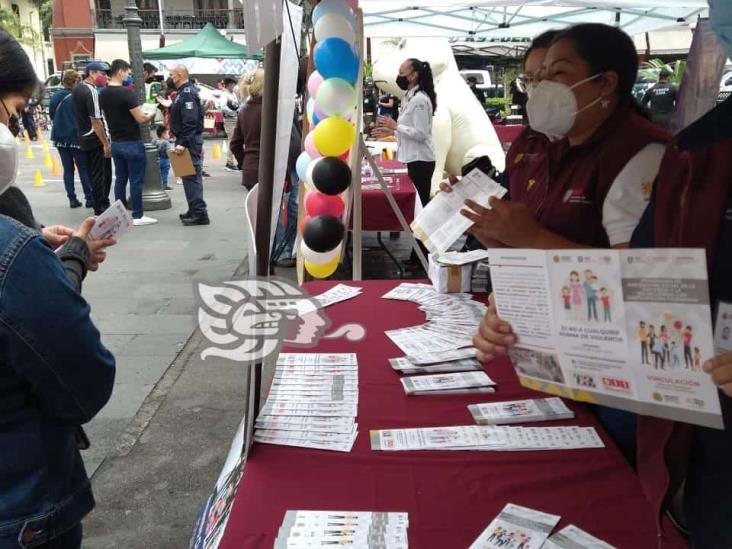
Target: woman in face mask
(413, 130)
(55, 374)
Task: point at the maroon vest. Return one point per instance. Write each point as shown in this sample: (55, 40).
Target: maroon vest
(566, 186)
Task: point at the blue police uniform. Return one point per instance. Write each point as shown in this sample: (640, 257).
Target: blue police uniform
(186, 123)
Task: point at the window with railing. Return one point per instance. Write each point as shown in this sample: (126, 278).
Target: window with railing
(174, 19)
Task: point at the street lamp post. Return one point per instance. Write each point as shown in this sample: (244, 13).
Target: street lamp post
(153, 195)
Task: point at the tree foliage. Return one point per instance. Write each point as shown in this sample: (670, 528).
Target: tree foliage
(651, 69)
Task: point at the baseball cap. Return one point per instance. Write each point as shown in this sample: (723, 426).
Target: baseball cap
(96, 66)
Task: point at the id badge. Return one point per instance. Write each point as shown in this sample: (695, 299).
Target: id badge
(723, 329)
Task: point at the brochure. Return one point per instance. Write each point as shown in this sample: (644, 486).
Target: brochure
(520, 411)
(414, 385)
(571, 537)
(517, 526)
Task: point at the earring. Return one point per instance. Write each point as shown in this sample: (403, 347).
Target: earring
(605, 104)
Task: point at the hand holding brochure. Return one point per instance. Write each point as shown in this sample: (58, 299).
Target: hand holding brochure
(628, 329)
(440, 224)
(112, 223)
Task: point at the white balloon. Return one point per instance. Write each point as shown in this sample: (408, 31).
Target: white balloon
(335, 25)
(317, 257)
(309, 171)
(336, 97)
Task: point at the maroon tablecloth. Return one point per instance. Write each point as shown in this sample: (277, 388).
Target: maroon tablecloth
(377, 213)
(450, 496)
(508, 134)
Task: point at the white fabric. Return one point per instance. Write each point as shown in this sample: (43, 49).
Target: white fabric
(630, 192)
(414, 129)
(226, 98)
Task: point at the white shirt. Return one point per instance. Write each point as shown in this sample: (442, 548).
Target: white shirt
(225, 100)
(414, 128)
(630, 192)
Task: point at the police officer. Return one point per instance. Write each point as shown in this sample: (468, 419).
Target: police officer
(662, 98)
(186, 122)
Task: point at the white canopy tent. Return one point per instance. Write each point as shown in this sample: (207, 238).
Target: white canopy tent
(520, 18)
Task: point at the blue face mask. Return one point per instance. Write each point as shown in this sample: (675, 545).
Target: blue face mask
(720, 19)
(128, 81)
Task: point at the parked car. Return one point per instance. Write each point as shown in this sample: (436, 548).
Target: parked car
(51, 86)
(483, 81)
(725, 86)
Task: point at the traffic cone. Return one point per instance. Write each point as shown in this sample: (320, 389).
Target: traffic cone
(44, 147)
(38, 180)
(17, 139)
(47, 161)
(56, 168)
(216, 155)
(26, 137)
(39, 136)
(29, 153)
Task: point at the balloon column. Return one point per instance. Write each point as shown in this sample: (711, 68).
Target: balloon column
(330, 110)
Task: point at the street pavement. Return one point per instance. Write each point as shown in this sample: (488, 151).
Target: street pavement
(158, 445)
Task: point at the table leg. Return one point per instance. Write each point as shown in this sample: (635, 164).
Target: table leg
(388, 252)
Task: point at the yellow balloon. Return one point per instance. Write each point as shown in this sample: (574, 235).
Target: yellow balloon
(324, 270)
(333, 136)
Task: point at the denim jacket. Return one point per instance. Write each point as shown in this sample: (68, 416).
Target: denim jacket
(55, 375)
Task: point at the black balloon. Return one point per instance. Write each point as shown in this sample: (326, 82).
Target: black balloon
(323, 233)
(331, 175)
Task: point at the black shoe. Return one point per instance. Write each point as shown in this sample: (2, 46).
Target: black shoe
(89, 204)
(186, 215)
(167, 188)
(191, 221)
(74, 203)
(231, 168)
(205, 173)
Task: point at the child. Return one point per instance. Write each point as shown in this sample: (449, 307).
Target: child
(576, 289)
(686, 340)
(643, 337)
(589, 285)
(567, 298)
(163, 145)
(605, 300)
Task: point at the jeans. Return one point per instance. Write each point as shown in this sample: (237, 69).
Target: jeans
(100, 169)
(193, 184)
(69, 157)
(164, 170)
(591, 308)
(129, 164)
(288, 232)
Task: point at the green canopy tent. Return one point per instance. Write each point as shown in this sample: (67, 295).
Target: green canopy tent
(207, 44)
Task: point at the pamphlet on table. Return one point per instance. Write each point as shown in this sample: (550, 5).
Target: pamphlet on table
(628, 329)
(440, 223)
(404, 366)
(574, 538)
(517, 526)
(338, 293)
(440, 384)
(520, 411)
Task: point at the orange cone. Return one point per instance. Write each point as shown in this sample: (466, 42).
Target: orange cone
(56, 168)
(216, 155)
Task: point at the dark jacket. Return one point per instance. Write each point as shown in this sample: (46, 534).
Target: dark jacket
(244, 143)
(63, 114)
(186, 118)
(55, 375)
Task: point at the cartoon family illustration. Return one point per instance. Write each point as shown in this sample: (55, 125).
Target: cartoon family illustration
(510, 539)
(580, 298)
(663, 348)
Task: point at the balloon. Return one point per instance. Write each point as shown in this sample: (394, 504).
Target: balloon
(310, 147)
(344, 156)
(331, 176)
(309, 171)
(333, 6)
(305, 220)
(324, 270)
(336, 58)
(332, 137)
(303, 161)
(353, 4)
(678, 325)
(315, 257)
(309, 108)
(336, 97)
(334, 25)
(317, 203)
(323, 233)
(314, 83)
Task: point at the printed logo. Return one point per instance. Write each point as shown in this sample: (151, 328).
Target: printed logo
(250, 320)
(647, 189)
(614, 383)
(658, 397)
(519, 158)
(576, 196)
(530, 183)
(584, 380)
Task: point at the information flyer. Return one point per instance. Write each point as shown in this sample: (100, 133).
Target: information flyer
(628, 329)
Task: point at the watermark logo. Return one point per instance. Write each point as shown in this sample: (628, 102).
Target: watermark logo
(249, 320)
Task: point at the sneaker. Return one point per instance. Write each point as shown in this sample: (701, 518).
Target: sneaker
(231, 168)
(286, 263)
(191, 221)
(74, 203)
(185, 215)
(178, 181)
(89, 204)
(205, 173)
(167, 188)
(144, 220)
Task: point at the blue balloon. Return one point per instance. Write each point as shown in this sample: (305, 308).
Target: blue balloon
(316, 120)
(302, 165)
(333, 6)
(336, 58)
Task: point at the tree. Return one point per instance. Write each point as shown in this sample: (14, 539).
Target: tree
(25, 34)
(45, 9)
(651, 69)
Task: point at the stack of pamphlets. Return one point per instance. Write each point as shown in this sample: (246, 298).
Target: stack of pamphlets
(448, 384)
(520, 411)
(452, 320)
(338, 293)
(480, 280)
(521, 527)
(312, 403)
(405, 366)
(370, 530)
(479, 437)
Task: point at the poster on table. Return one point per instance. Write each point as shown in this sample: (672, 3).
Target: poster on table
(628, 329)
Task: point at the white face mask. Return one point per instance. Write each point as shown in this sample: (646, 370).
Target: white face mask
(552, 107)
(8, 158)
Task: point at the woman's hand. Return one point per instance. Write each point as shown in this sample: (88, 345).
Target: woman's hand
(720, 368)
(508, 222)
(446, 185)
(57, 235)
(386, 122)
(494, 336)
(97, 248)
(380, 132)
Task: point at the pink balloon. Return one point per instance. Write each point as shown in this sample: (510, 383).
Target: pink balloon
(317, 112)
(353, 4)
(310, 147)
(314, 83)
(317, 203)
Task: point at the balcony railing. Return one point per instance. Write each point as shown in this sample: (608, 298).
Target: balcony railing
(174, 20)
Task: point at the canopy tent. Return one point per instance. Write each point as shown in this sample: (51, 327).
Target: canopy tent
(520, 18)
(207, 44)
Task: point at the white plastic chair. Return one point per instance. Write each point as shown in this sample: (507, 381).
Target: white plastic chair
(251, 224)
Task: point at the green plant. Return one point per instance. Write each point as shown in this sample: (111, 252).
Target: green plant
(368, 69)
(509, 75)
(496, 103)
(651, 69)
(25, 34)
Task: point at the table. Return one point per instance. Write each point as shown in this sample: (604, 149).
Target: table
(508, 134)
(450, 496)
